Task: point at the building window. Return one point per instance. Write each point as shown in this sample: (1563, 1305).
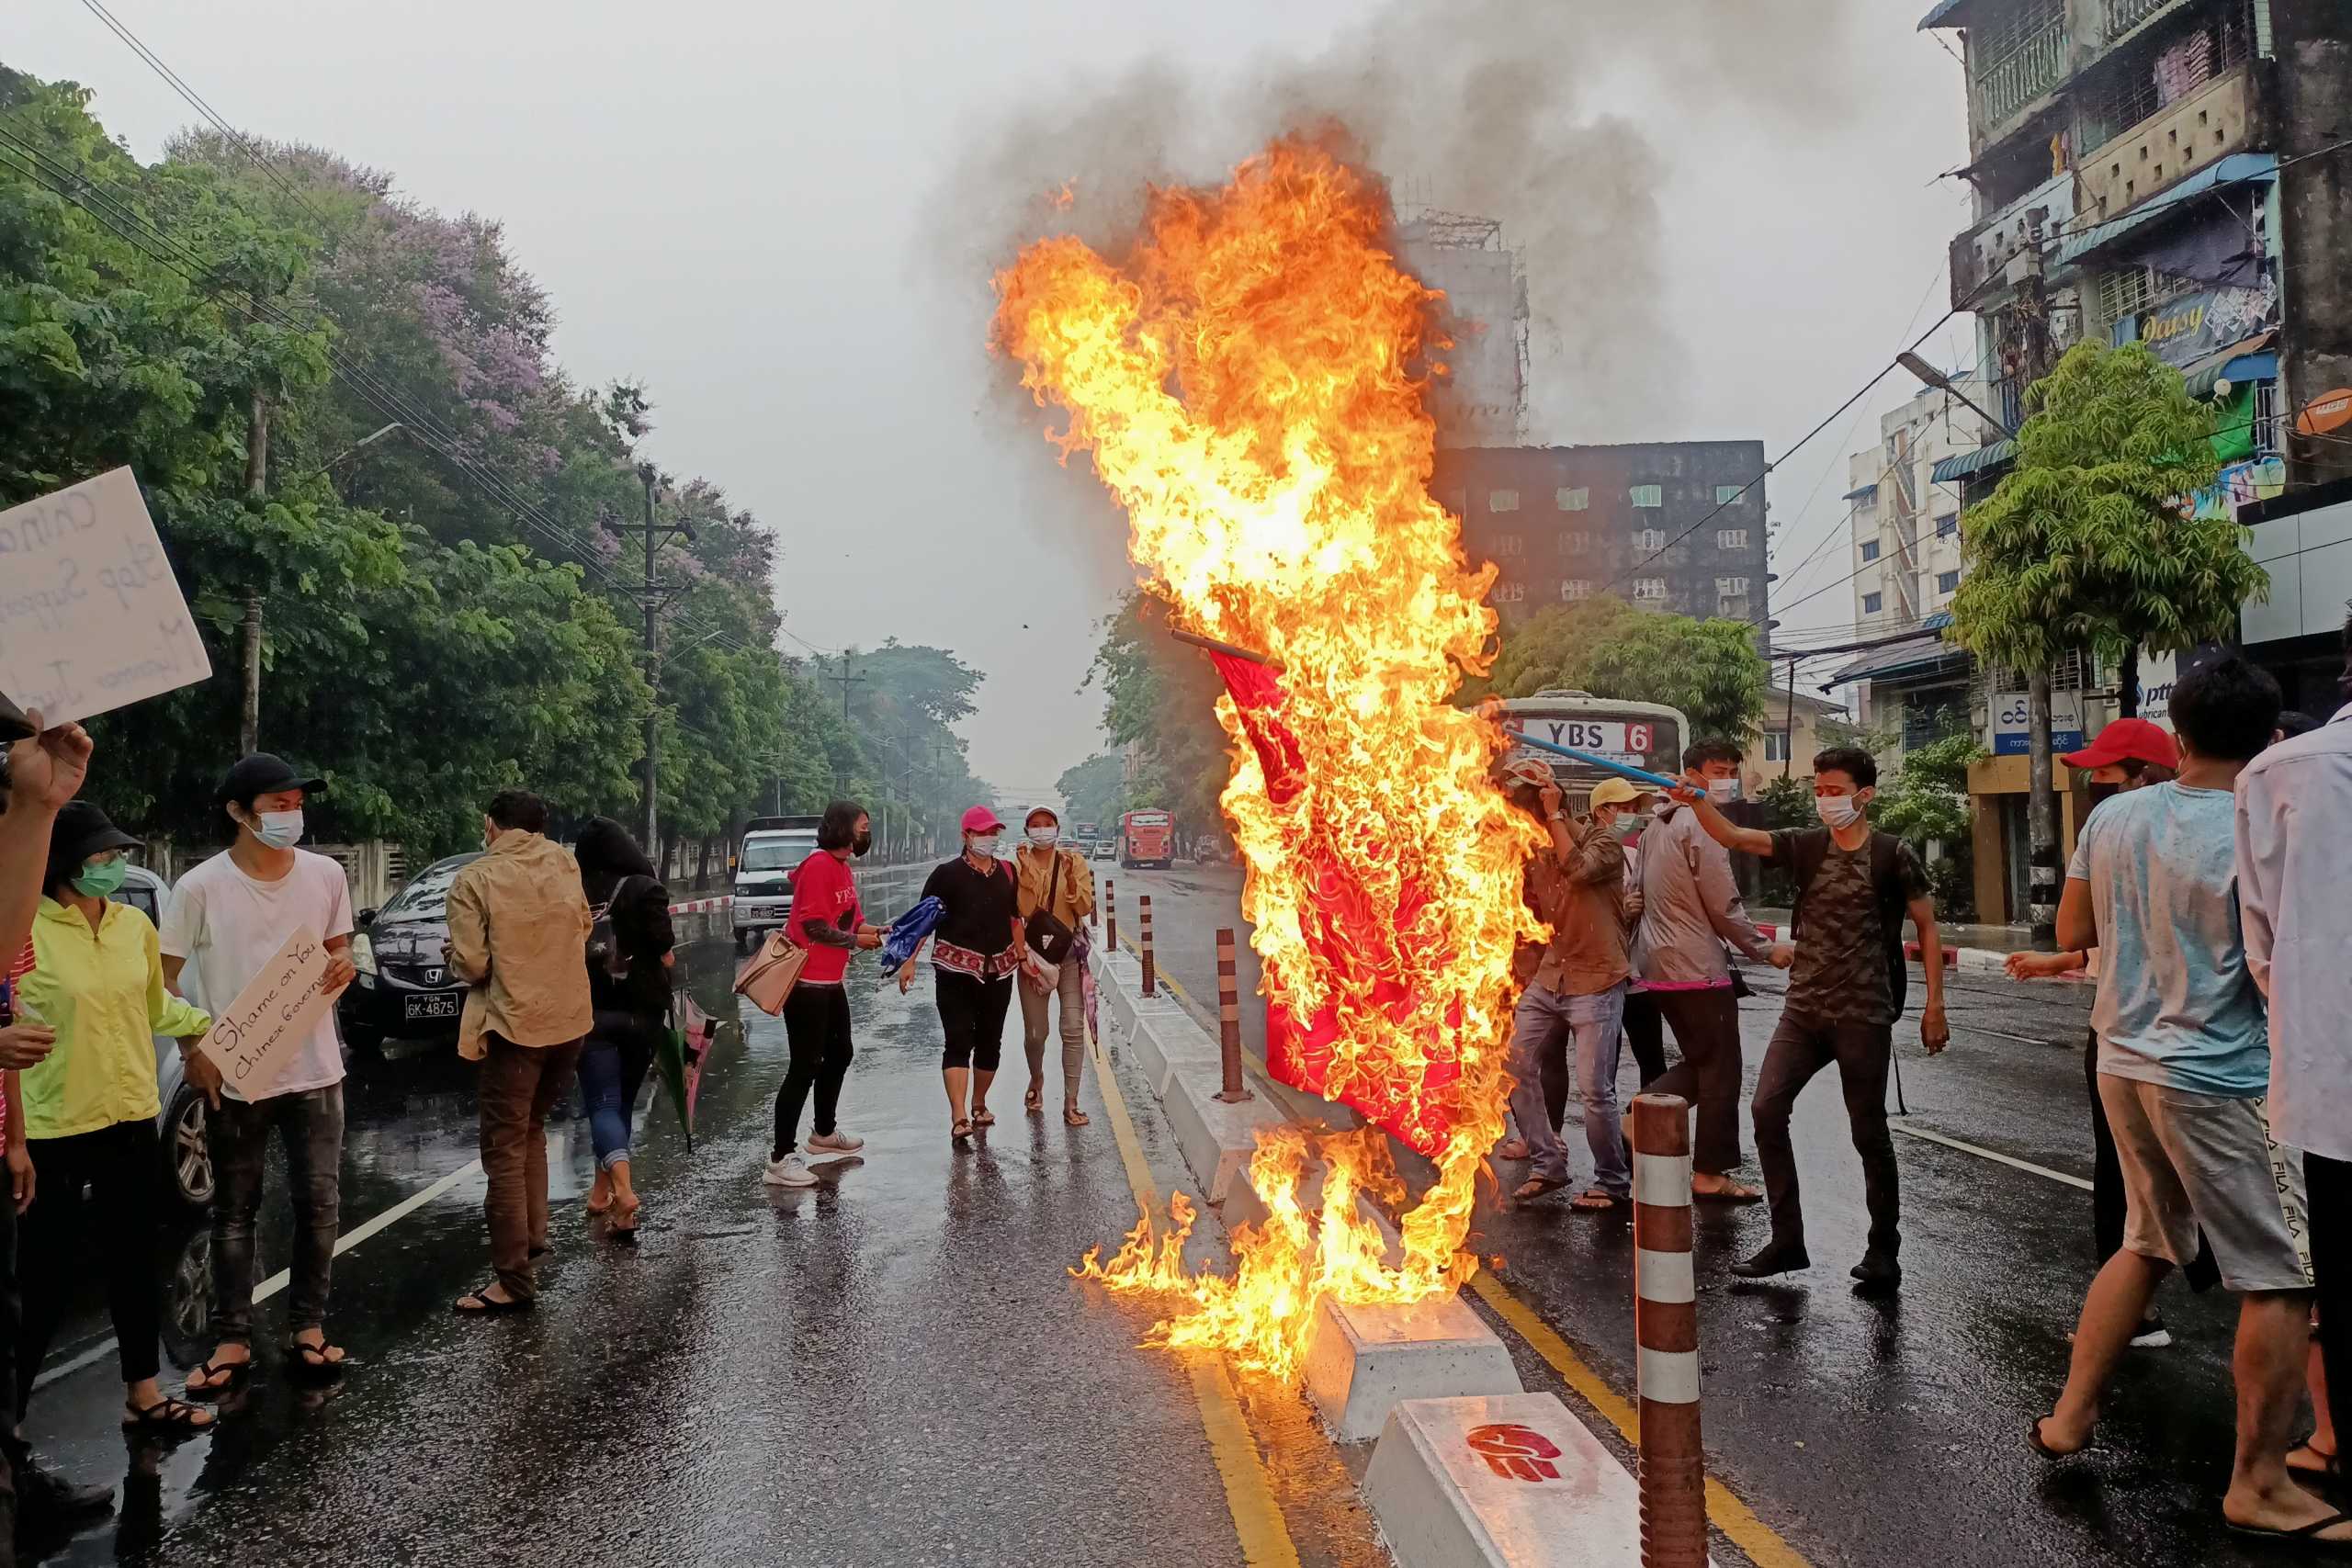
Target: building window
(1731, 585)
(1731, 606)
(1650, 540)
(1869, 550)
(1574, 541)
(1502, 500)
(1576, 500)
(1727, 495)
(1871, 603)
(1948, 526)
(1649, 589)
(1648, 495)
(1776, 745)
(1731, 538)
(1510, 545)
(1946, 582)
(1575, 589)
(1510, 592)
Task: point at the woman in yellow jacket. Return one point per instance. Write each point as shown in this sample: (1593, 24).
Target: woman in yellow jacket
(88, 1113)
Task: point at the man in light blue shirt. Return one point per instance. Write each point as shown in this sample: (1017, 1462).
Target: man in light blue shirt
(2184, 1066)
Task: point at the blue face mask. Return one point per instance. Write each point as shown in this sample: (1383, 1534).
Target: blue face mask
(100, 880)
(278, 829)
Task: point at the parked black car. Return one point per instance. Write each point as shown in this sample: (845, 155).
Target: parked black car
(405, 991)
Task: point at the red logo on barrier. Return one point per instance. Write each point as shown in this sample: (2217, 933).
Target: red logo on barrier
(1516, 1452)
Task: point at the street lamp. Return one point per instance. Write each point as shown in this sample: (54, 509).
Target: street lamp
(1943, 383)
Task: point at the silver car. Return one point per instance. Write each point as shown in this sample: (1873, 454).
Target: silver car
(180, 1127)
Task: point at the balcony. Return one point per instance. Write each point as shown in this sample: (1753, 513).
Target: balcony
(2174, 142)
(2122, 16)
(1997, 240)
(2029, 67)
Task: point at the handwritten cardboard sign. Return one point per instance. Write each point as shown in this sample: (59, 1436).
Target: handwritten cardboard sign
(257, 1037)
(91, 619)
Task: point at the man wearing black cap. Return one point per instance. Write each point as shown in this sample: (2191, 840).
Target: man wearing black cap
(228, 918)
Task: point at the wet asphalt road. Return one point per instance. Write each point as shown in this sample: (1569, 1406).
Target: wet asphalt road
(1883, 1432)
(892, 1366)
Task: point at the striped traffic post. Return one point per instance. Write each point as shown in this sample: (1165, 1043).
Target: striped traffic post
(1666, 1331)
(1110, 916)
(1229, 1022)
(1150, 975)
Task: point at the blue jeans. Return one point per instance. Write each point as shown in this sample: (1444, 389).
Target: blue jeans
(1543, 1027)
(604, 1095)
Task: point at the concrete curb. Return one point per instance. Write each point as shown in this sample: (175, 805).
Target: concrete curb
(1217, 1140)
(1362, 1360)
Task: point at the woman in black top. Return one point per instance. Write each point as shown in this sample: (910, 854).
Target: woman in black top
(630, 952)
(974, 952)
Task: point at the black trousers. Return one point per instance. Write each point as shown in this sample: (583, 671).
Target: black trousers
(1862, 1052)
(2108, 1205)
(816, 1025)
(1706, 1027)
(971, 1014)
(1644, 1030)
(2327, 1184)
(11, 1321)
(120, 1164)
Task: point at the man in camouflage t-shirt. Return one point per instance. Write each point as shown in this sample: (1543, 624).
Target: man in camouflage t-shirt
(1855, 886)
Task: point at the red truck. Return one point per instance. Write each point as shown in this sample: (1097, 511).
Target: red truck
(1146, 838)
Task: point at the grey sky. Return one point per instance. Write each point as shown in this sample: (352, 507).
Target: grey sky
(781, 217)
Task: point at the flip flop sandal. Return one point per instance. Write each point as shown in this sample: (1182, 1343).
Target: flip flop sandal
(1033, 1102)
(2033, 1436)
(1074, 1116)
(238, 1373)
(961, 1130)
(1535, 1187)
(984, 1119)
(476, 1304)
(167, 1415)
(1593, 1201)
(1732, 1194)
(2306, 1536)
(314, 1363)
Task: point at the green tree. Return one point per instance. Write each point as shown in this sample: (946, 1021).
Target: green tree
(2087, 546)
(1710, 670)
(1926, 803)
(1095, 790)
(1160, 696)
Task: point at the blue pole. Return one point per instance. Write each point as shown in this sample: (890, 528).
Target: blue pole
(1640, 776)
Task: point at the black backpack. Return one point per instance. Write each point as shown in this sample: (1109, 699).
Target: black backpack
(1809, 850)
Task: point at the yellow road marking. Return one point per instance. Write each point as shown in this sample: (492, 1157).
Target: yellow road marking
(1764, 1545)
(1248, 1493)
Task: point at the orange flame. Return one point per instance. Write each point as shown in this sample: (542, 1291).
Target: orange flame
(1245, 384)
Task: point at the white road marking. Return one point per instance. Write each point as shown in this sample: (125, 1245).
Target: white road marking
(1994, 1155)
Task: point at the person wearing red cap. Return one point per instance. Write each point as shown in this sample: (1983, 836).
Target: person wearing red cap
(2128, 755)
(975, 951)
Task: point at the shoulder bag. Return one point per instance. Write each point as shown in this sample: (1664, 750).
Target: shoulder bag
(1049, 938)
(767, 976)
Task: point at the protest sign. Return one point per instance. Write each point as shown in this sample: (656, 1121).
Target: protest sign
(257, 1037)
(91, 619)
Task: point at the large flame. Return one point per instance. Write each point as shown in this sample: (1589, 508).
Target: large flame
(1246, 383)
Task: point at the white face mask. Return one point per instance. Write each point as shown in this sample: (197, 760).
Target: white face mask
(1722, 790)
(278, 829)
(1837, 810)
(1044, 838)
(984, 844)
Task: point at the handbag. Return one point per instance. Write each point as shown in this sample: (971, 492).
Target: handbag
(1049, 938)
(767, 976)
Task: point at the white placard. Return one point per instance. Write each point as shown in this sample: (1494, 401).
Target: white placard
(255, 1038)
(91, 619)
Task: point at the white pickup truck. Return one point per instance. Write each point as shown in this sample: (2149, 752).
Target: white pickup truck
(772, 851)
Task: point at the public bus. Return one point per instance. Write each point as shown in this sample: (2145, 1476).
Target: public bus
(1645, 735)
(1147, 839)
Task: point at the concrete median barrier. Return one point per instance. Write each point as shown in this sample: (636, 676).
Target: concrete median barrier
(1363, 1360)
(1166, 1042)
(1216, 1139)
(1507, 1479)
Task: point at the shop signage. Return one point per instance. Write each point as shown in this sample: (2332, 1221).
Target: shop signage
(2181, 331)
(2012, 737)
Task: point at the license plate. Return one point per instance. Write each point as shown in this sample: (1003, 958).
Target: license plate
(1607, 736)
(416, 1007)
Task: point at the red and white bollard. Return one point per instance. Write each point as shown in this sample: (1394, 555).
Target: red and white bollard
(1110, 917)
(1228, 1022)
(1666, 1330)
(1150, 975)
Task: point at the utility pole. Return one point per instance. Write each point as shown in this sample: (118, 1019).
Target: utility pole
(2041, 797)
(847, 680)
(257, 482)
(651, 594)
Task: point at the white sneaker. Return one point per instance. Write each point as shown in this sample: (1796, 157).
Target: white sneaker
(788, 1172)
(834, 1143)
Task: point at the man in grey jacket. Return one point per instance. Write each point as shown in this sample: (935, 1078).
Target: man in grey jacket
(1691, 907)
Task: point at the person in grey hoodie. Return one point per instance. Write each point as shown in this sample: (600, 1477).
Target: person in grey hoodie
(1691, 907)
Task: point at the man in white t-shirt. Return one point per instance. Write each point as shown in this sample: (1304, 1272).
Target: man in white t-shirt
(228, 918)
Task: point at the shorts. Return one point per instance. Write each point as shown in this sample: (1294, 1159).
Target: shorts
(2191, 1160)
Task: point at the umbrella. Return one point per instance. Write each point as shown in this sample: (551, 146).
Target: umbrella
(906, 933)
(1082, 954)
(681, 1056)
